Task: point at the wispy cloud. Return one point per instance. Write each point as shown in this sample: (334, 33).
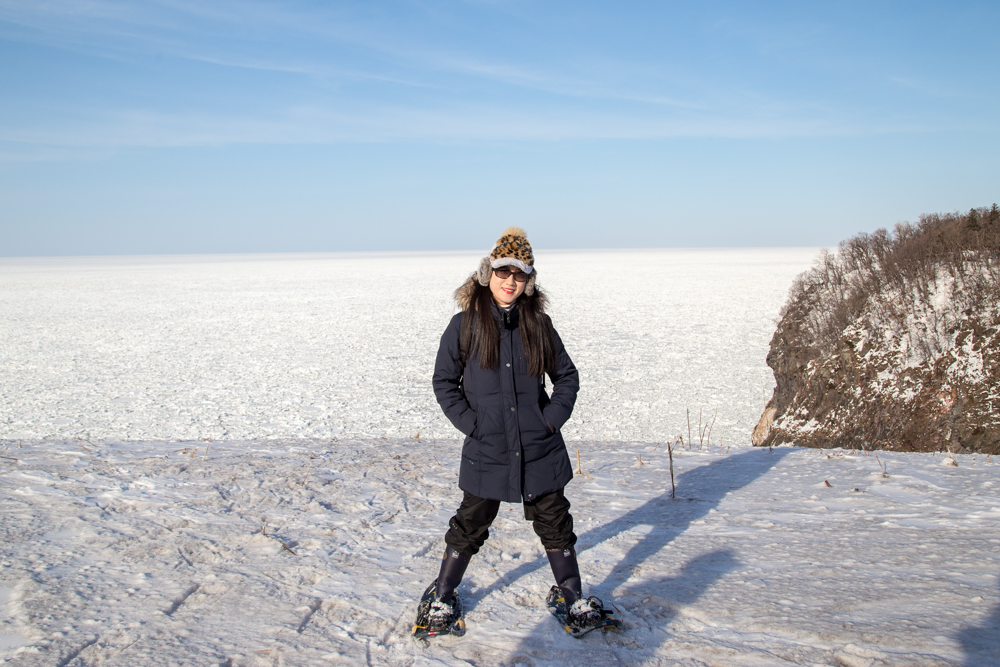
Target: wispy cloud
(318, 125)
(358, 72)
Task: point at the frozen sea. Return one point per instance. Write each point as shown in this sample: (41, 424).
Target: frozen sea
(238, 460)
(317, 346)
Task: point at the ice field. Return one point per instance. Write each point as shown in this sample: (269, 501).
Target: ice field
(238, 460)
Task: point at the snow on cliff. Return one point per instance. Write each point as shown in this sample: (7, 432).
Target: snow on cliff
(894, 343)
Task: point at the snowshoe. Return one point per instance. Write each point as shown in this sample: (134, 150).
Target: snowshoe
(435, 618)
(583, 617)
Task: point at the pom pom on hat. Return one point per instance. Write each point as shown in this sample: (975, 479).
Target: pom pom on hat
(515, 231)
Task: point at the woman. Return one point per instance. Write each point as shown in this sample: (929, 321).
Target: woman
(489, 379)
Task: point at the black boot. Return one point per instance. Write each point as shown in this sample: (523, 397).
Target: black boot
(452, 570)
(567, 574)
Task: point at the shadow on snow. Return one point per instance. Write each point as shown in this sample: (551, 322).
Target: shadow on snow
(698, 491)
(981, 643)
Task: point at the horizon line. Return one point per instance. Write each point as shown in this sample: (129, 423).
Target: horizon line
(388, 253)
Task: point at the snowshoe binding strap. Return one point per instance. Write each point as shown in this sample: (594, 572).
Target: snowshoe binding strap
(590, 616)
(435, 617)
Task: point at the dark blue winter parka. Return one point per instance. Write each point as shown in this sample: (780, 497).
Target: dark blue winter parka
(510, 453)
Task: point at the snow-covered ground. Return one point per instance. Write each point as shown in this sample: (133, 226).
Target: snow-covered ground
(213, 461)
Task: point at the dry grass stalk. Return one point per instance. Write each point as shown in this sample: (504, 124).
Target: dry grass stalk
(673, 487)
(688, 411)
(639, 458)
(710, 428)
(579, 468)
(701, 433)
(263, 531)
(884, 473)
(306, 476)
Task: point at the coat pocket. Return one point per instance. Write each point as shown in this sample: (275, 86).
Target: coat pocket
(470, 477)
(541, 421)
(550, 472)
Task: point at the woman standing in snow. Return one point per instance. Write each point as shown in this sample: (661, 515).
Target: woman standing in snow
(489, 379)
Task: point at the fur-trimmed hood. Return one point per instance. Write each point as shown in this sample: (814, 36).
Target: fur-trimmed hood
(464, 294)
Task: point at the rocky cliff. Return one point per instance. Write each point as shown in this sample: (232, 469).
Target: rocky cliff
(893, 342)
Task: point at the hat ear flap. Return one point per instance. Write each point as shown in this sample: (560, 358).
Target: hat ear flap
(529, 287)
(484, 272)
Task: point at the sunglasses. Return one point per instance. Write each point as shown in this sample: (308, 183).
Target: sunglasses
(504, 274)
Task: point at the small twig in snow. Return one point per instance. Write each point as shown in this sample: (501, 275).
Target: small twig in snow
(884, 473)
(688, 412)
(710, 429)
(673, 487)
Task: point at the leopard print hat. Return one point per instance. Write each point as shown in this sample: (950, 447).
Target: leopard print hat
(512, 249)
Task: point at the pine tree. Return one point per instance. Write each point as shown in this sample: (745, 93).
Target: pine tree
(972, 221)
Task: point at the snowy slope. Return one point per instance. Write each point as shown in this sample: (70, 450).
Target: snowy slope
(212, 461)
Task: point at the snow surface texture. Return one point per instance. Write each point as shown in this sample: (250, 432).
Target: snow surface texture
(284, 554)
(279, 535)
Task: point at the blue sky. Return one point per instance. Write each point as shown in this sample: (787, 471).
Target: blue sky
(188, 127)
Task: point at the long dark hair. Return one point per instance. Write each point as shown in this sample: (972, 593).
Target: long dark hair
(480, 333)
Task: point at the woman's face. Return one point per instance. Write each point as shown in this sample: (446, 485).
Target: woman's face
(506, 290)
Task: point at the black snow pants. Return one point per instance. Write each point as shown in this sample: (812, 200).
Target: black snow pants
(549, 516)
